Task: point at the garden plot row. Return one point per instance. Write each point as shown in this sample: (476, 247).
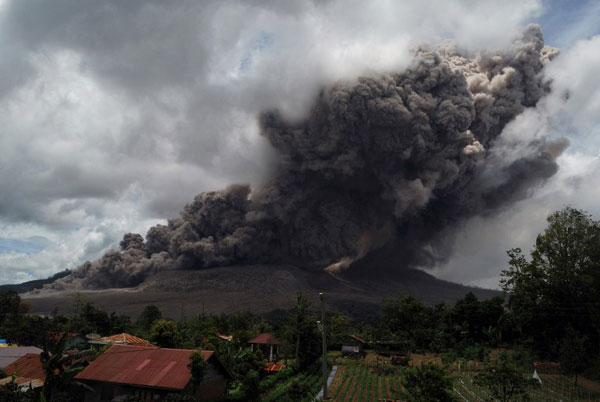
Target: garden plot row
(359, 383)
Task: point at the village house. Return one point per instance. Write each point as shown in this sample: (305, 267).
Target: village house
(74, 340)
(11, 354)
(353, 346)
(120, 339)
(27, 370)
(150, 373)
(268, 345)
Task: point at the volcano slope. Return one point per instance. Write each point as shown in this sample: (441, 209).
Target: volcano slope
(259, 289)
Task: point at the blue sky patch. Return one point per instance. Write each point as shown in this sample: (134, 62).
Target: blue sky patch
(22, 246)
(263, 41)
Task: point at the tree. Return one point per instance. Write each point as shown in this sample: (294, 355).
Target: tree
(337, 328)
(9, 304)
(164, 333)
(60, 368)
(403, 315)
(573, 353)
(197, 367)
(149, 315)
(427, 383)
(304, 328)
(560, 285)
(505, 381)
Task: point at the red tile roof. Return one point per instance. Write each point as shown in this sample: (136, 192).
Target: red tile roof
(274, 367)
(149, 367)
(266, 339)
(26, 368)
(122, 338)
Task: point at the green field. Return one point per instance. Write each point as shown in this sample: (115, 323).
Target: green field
(356, 381)
(360, 382)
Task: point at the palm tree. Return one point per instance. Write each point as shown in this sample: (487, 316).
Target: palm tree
(60, 367)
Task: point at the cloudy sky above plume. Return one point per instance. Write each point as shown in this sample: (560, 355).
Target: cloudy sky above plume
(115, 114)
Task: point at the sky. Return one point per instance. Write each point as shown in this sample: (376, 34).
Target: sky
(115, 114)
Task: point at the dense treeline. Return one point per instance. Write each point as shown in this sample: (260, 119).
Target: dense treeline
(551, 311)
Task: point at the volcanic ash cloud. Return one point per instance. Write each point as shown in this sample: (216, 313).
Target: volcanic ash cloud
(385, 161)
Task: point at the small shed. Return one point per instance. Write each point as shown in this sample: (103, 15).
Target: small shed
(353, 346)
(268, 345)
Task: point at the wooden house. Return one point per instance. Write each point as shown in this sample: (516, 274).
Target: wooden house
(353, 346)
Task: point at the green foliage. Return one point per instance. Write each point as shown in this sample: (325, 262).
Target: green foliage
(148, 317)
(403, 314)
(272, 379)
(449, 357)
(573, 353)
(504, 381)
(164, 333)
(250, 385)
(427, 383)
(60, 369)
(338, 328)
(559, 286)
(305, 333)
(474, 352)
(11, 392)
(197, 367)
(9, 304)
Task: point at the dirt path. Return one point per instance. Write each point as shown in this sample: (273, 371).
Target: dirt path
(589, 384)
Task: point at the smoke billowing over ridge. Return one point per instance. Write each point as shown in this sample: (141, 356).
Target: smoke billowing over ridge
(382, 162)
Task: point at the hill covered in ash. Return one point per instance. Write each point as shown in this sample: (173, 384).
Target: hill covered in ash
(382, 164)
(260, 289)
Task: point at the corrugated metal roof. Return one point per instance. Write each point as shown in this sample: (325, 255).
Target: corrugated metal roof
(266, 338)
(227, 338)
(136, 365)
(122, 338)
(356, 338)
(11, 354)
(26, 368)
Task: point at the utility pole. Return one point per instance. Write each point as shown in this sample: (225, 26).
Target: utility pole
(324, 338)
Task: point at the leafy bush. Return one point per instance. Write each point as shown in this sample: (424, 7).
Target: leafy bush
(449, 357)
(475, 352)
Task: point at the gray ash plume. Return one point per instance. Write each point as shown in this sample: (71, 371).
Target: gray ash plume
(385, 162)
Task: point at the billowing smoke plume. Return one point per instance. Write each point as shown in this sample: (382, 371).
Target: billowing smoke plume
(384, 162)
